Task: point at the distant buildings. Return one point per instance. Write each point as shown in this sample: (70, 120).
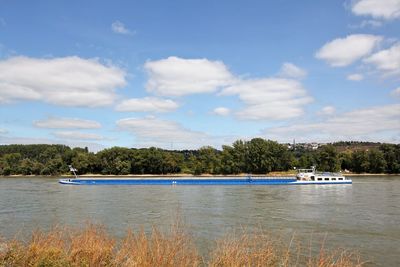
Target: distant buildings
(304, 146)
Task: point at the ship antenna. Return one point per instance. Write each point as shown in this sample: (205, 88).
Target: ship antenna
(73, 170)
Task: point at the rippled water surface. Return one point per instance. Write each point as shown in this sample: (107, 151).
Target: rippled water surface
(364, 216)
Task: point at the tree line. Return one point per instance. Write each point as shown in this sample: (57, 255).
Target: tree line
(256, 156)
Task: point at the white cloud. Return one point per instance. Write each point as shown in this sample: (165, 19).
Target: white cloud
(355, 77)
(270, 98)
(162, 132)
(396, 92)
(119, 27)
(371, 23)
(74, 135)
(387, 61)
(359, 124)
(177, 76)
(327, 110)
(290, 70)
(3, 131)
(222, 111)
(66, 123)
(384, 9)
(344, 51)
(67, 81)
(147, 104)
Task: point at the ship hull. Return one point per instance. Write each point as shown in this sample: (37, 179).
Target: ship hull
(195, 181)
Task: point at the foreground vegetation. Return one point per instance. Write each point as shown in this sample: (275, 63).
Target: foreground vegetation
(93, 246)
(257, 156)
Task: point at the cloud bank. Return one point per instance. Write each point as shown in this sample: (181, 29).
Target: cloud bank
(74, 135)
(67, 81)
(265, 98)
(355, 77)
(354, 125)
(175, 76)
(342, 52)
(162, 132)
(381, 9)
(147, 104)
(327, 111)
(269, 98)
(387, 61)
(290, 70)
(395, 92)
(221, 111)
(119, 27)
(66, 123)
(94, 147)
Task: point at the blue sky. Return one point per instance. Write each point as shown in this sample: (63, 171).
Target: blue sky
(183, 74)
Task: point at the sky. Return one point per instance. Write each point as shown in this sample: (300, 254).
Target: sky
(186, 74)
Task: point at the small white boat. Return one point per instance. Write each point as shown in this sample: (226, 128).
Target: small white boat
(311, 176)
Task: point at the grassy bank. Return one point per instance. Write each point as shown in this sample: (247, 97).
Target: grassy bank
(93, 246)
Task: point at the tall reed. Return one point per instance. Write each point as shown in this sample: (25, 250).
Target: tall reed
(93, 246)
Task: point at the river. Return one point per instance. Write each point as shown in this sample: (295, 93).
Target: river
(364, 216)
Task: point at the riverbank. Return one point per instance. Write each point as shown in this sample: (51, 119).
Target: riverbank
(92, 245)
(271, 174)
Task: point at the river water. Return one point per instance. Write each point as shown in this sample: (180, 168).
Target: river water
(364, 216)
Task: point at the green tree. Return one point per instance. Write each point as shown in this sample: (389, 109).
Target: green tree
(116, 160)
(228, 163)
(240, 156)
(122, 167)
(345, 160)
(260, 158)
(11, 163)
(307, 160)
(54, 166)
(256, 156)
(85, 162)
(209, 160)
(392, 157)
(377, 163)
(172, 162)
(194, 165)
(29, 167)
(360, 161)
(49, 153)
(328, 159)
(138, 162)
(153, 161)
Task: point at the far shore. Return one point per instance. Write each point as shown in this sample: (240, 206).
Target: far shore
(272, 174)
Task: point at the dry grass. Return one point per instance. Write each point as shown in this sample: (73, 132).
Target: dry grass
(246, 250)
(157, 249)
(261, 249)
(93, 246)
